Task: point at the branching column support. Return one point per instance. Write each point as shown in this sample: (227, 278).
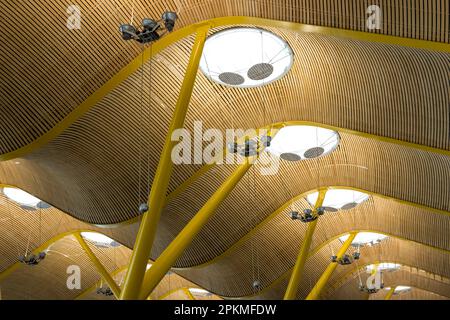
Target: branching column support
(321, 283)
(98, 265)
(390, 293)
(150, 219)
(174, 250)
(297, 272)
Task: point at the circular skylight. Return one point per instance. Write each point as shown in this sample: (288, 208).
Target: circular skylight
(294, 143)
(100, 240)
(245, 57)
(386, 266)
(365, 238)
(21, 197)
(339, 199)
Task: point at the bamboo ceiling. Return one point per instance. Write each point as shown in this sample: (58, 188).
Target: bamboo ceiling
(99, 169)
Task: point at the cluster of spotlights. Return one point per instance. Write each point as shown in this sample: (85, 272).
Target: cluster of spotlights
(32, 259)
(105, 291)
(308, 215)
(250, 147)
(346, 259)
(365, 289)
(150, 30)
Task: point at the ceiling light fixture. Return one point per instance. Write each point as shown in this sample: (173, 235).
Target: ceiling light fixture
(245, 57)
(339, 199)
(150, 30)
(365, 239)
(100, 240)
(298, 142)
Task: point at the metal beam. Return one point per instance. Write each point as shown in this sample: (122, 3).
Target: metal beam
(165, 261)
(297, 272)
(315, 292)
(390, 293)
(99, 266)
(156, 201)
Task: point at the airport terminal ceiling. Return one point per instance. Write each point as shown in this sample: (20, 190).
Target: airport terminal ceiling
(339, 190)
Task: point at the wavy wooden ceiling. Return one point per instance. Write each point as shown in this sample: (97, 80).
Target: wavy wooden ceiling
(22, 230)
(100, 168)
(77, 62)
(270, 252)
(414, 278)
(414, 294)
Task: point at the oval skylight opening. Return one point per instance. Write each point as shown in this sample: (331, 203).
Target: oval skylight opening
(399, 289)
(365, 238)
(21, 197)
(245, 57)
(294, 143)
(339, 199)
(199, 292)
(386, 266)
(99, 240)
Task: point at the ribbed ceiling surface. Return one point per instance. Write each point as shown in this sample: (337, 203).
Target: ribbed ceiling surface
(101, 167)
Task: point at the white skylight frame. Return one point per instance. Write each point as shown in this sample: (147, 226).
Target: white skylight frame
(385, 266)
(99, 239)
(298, 142)
(365, 238)
(199, 292)
(235, 50)
(21, 197)
(339, 199)
(400, 289)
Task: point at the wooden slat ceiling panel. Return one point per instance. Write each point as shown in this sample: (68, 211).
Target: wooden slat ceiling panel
(349, 289)
(22, 230)
(238, 213)
(48, 279)
(48, 69)
(392, 250)
(268, 254)
(112, 147)
(274, 247)
(407, 180)
(100, 168)
(414, 294)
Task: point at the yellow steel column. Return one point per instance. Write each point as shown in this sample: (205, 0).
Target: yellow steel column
(188, 293)
(150, 219)
(390, 293)
(315, 292)
(100, 268)
(297, 272)
(165, 261)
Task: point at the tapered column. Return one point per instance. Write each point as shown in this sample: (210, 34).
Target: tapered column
(323, 280)
(174, 250)
(150, 219)
(99, 266)
(390, 293)
(297, 272)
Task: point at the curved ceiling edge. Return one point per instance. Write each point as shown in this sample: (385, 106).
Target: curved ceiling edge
(296, 198)
(317, 249)
(185, 31)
